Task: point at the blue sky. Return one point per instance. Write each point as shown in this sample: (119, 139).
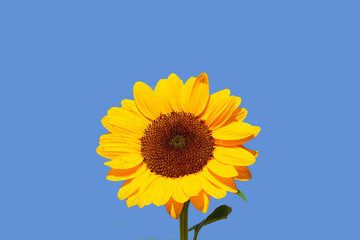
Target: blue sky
(295, 64)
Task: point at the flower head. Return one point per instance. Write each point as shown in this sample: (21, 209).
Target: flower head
(177, 143)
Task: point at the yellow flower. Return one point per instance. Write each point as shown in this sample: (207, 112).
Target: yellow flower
(177, 143)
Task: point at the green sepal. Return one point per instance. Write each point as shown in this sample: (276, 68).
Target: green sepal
(241, 194)
(219, 213)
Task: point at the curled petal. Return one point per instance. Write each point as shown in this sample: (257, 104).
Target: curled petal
(201, 202)
(244, 173)
(174, 208)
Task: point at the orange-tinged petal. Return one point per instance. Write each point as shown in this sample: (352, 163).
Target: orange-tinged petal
(146, 100)
(234, 156)
(124, 174)
(226, 183)
(209, 187)
(201, 202)
(224, 112)
(196, 94)
(174, 208)
(126, 161)
(221, 169)
(235, 133)
(244, 173)
(190, 185)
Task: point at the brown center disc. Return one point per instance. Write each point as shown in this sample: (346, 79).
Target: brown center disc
(177, 144)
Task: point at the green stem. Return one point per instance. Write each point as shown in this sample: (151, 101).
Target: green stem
(184, 221)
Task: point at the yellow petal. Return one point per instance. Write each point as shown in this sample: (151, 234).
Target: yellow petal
(223, 113)
(209, 187)
(201, 202)
(146, 100)
(235, 133)
(175, 85)
(122, 122)
(244, 173)
(238, 115)
(127, 189)
(253, 152)
(226, 183)
(174, 208)
(133, 199)
(169, 93)
(130, 106)
(131, 185)
(162, 91)
(186, 93)
(221, 169)
(145, 190)
(196, 94)
(190, 185)
(216, 100)
(161, 190)
(110, 139)
(131, 110)
(234, 156)
(124, 174)
(126, 161)
(178, 193)
(114, 146)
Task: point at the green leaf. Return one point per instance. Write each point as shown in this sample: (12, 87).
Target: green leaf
(241, 194)
(219, 213)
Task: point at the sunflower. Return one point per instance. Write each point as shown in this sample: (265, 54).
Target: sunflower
(177, 143)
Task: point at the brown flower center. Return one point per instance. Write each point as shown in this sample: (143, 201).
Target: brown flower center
(177, 144)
